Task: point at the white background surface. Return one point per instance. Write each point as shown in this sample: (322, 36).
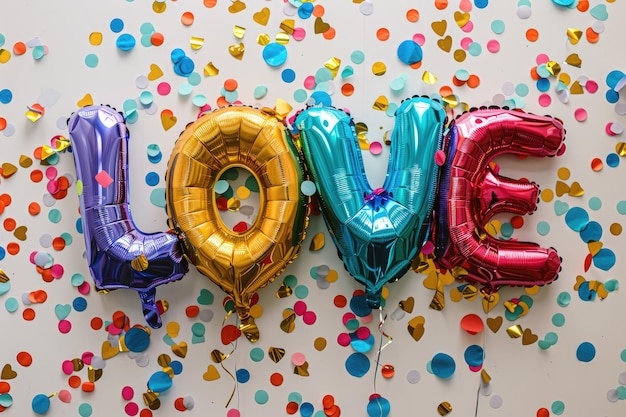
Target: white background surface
(526, 378)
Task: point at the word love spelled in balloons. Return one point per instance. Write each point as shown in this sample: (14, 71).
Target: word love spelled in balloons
(439, 186)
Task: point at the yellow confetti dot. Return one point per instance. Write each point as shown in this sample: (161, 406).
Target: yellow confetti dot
(460, 55)
(616, 229)
(563, 173)
(95, 38)
(243, 193)
(256, 311)
(547, 195)
(385, 292)
(4, 56)
(159, 7)
(379, 68)
(532, 290)
(332, 276)
(172, 329)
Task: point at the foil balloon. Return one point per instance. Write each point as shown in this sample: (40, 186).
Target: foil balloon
(471, 193)
(239, 263)
(377, 232)
(119, 255)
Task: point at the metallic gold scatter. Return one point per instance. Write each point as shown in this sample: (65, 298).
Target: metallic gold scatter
(574, 60)
(333, 65)
(217, 356)
(237, 6)
(108, 350)
(459, 55)
(159, 6)
(416, 327)
(302, 370)
(320, 26)
(576, 88)
(180, 349)
(288, 324)
(574, 35)
(561, 188)
(284, 291)
(553, 68)
(151, 399)
(407, 305)
(429, 78)
(576, 190)
(494, 323)
(164, 360)
(528, 337)
(379, 68)
(262, 17)
(620, 148)
(140, 263)
(263, 39)
(288, 25)
(515, 331)
(318, 242)
(236, 51)
(93, 374)
(196, 43)
(381, 103)
(275, 354)
(239, 31)
(3, 276)
(282, 38)
(490, 301)
(444, 408)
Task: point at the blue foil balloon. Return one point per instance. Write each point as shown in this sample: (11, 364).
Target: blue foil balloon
(119, 255)
(377, 232)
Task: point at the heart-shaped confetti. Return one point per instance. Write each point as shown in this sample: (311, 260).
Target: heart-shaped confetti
(576, 190)
(108, 351)
(262, 16)
(236, 51)
(576, 88)
(416, 327)
(528, 337)
(407, 305)
(155, 72)
(574, 60)
(560, 207)
(180, 349)
(288, 324)
(461, 19)
(205, 298)
(168, 120)
(62, 311)
(599, 12)
(320, 26)
(302, 370)
(561, 188)
(494, 323)
(237, 6)
(439, 27)
(211, 373)
(7, 372)
(275, 353)
(20, 233)
(445, 44)
(87, 100)
(8, 169)
(230, 333)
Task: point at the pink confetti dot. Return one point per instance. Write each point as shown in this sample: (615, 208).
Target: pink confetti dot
(419, 39)
(67, 367)
(376, 148)
(233, 412)
(476, 368)
(65, 396)
(465, 5)
(65, 326)
(347, 317)
(299, 308)
(52, 186)
(164, 88)
(542, 59)
(343, 339)
(580, 114)
(131, 409)
(57, 270)
(309, 82)
(86, 357)
(469, 26)
(298, 358)
(440, 158)
(299, 34)
(309, 317)
(493, 46)
(128, 393)
(51, 173)
(544, 100)
(591, 86)
(84, 288)
(466, 42)
(367, 319)
(363, 333)
(428, 248)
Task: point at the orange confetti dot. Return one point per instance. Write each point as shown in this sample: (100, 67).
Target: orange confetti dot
(230, 84)
(596, 164)
(534, 74)
(19, 48)
(9, 224)
(347, 89)
(583, 5)
(3, 123)
(592, 37)
(457, 82)
(34, 208)
(329, 34)
(120, 320)
(532, 35)
(292, 407)
(192, 311)
(543, 412)
(1, 207)
(445, 91)
(473, 81)
(6, 199)
(412, 15)
(28, 314)
(74, 381)
(221, 102)
(36, 175)
(24, 359)
(96, 323)
(157, 39)
(13, 248)
(382, 34)
(276, 379)
(416, 65)
(441, 4)
(4, 387)
(517, 222)
(88, 386)
(318, 11)
(37, 152)
(46, 274)
(38, 296)
(58, 243)
(187, 18)
(146, 412)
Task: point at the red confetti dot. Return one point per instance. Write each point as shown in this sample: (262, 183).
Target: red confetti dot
(543, 412)
(146, 412)
(24, 359)
(74, 381)
(179, 404)
(28, 314)
(192, 311)
(276, 379)
(292, 407)
(4, 387)
(340, 301)
(517, 222)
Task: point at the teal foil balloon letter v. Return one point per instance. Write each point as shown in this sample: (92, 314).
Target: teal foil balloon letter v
(377, 231)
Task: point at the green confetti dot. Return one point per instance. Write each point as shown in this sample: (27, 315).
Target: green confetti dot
(257, 354)
(261, 396)
(230, 174)
(55, 216)
(558, 407)
(558, 320)
(291, 280)
(251, 184)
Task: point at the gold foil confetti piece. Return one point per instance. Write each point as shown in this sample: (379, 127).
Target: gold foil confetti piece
(525, 309)
(444, 408)
(486, 378)
(451, 100)
(528, 337)
(282, 38)
(439, 27)
(302, 370)
(262, 16)
(282, 108)
(275, 353)
(164, 305)
(438, 302)
(364, 143)
(490, 301)
(469, 292)
(236, 6)
(233, 204)
(318, 242)
(196, 43)
(3, 276)
(61, 143)
(210, 70)
(288, 25)
(211, 373)
(122, 344)
(553, 68)
(494, 323)
(515, 331)
(320, 26)
(620, 148)
(47, 152)
(576, 190)
(169, 371)
(407, 305)
(416, 327)
(164, 360)
(288, 324)
(429, 78)
(78, 364)
(284, 291)
(561, 188)
(379, 68)
(564, 78)
(445, 44)
(108, 350)
(333, 65)
(25, 161)
(576, 88)
(93, 374)
(461, 18)
(459, 56)
(180, 349)
(510, 306)
(574, 60)
(151, 398)
(594, 247)
(574, 35)
(239, 31)
(456, 295)
(237, 51)
(249, 328)
(319, 344)
(381, 103)
(532, 290)
(159, 6)
(7, 372)
(217, 356)
(140, 263)
(263, 39)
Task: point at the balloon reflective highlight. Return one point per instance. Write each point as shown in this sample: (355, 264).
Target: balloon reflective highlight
(119, 255)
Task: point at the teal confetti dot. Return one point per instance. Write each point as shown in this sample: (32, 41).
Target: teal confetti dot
(595, 203)
(295, 397)
(497, 26)
(604, 259)
(321, 97)
(6, 400)
(260, 91)
(146, 28)
(157, 197)
(357, 364)
(221, 186)
(576, 218)
(185, 89)
(67, 238)
(443, 365)
(611, 285)
(507, 229)
(621, 392)
(55, 216)
(475, 49)
(5, 287)
(198, 329)
(77, 280)
(231, 96)
(85, 410)
(558, 319)
(563, 299)
(551, 338)
(543, 228)
(116, 25)
(146, 98)
(292, 280)
(11, 304)
(323, 74)
(622, 355)
(261, 397)
(621, 207)
(199, 100)
(347, 72)
(274, 54)
(558, 407)
(301, 291)
(2, 39)
(585, 352)
(91, 60)
(194, 79)
(146, 41)
(300, 95)
(257, 354)
(522, 90)
(357, 57)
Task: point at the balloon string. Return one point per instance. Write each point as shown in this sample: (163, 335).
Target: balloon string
(381, 317)
(480, 381)
(223, 357)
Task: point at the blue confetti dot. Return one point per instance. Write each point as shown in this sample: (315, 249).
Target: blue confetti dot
(585, 293)
(443, 365)
(586, 352)
(3, 253)
(543, 84)
(274, 54)
(116, 25)
(40, 404)
(137, 339)
(176, 55)
(604, 259)
(125, 42)
(565, 3)
(152, 178)
(612, 96)
(474, 355)
(159, 382)
(410, 52)
(177, 367)
(6, 96)
(243, 376)
(289, 75)
(362, 345)
(184, 67)
(79, 225)
(357, 364)
(481, 4)
(592, 232)
(79, 304)
(321, 97)
(378, 407)
(305, 10)
(576, 218)
(614, 77)
(358, 305)
(612, 160)
(306, 408)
